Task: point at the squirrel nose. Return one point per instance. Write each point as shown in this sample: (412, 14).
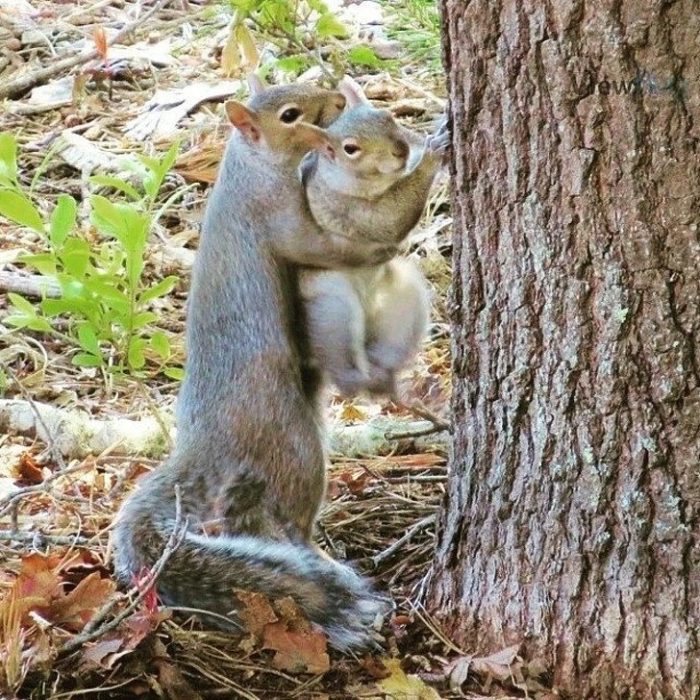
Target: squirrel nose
(400, 149)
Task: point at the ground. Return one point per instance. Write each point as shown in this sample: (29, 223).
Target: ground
(84, 414)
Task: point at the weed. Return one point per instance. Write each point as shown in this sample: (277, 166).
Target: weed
(103, 295)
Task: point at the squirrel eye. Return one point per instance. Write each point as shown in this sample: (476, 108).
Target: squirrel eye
(290, 115)
(351, 148)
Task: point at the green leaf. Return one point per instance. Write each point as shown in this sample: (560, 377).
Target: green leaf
(33, 323)
(75, 256)
(118, 184)
(177, 373)
(135, 356)
(159, 289)
(363, 55)
(160, 344)
(16, 207)
(85, 359)
(8, 157)
(62, 220)
(329, 25)
(122, 221)
(143, 319)
(21, 304)
(45, 263)
(88, 339)
(293, 64)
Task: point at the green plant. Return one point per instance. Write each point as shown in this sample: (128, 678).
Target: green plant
(416, 24)
(104, 297)
(305, 31)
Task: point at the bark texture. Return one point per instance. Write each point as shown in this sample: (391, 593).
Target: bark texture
(571, 522)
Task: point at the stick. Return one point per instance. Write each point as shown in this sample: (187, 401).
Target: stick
(22, 83)
(96, 627)
(390, 551)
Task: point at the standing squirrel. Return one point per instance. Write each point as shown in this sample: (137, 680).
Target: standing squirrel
(249, 458)
(368, 180)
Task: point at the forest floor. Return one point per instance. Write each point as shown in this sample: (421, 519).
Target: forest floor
(76, 433)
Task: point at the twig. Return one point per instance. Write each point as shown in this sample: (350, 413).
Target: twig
(11, 499)
(418, 408)
(418, 432)
(22, 83)
(96, 627)
(390, 551)
(39, 538)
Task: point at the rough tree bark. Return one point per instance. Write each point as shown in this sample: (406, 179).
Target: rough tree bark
(571, 522)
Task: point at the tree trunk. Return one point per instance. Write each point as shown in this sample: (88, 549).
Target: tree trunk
(571, 521)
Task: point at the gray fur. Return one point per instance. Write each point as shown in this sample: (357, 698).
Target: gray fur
(366, 324)
(249, 453)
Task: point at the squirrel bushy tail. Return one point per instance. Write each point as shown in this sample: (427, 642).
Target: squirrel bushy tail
(204, 572)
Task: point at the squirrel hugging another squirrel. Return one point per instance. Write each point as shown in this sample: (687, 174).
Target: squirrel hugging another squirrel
(249, 458)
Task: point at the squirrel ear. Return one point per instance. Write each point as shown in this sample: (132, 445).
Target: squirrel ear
(312, 136)
(255, 84)
(352, 92)
(244, 119)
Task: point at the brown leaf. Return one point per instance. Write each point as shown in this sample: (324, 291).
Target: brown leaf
(375, 667)
(29, 472)
(100, 39)
(299, 647)
(297, 651)
(102, 653)
(256, 612)
(496, 665)
(350, 412)
(173, 682)
(75, 609)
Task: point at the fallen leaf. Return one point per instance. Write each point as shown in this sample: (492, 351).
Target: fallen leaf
(75, 609)
(350, 412)
(300, 651)
(375, 667)
(29, 471)
(299, 647)
(256, 612)
(400, 686)
(496, 665)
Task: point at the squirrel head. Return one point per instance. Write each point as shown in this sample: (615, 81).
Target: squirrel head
(365, 142)
(278, 117)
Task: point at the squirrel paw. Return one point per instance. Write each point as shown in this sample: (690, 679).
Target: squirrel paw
(439, 142)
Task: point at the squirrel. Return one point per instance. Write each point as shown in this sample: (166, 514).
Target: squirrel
(369, 180)
(249, 459)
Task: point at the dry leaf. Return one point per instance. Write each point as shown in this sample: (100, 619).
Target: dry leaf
(256, 612)
(29, 471)
(230, 55)
(246, 45)
(75, 609)
(400, 686)
(300, 651)
(299, 647)
(350, 412)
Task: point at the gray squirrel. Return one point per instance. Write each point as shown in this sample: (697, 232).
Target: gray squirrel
(369, 180)
(249, 459)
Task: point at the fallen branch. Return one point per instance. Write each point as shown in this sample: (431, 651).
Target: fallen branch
(35, 286)
(77, 434)
(22, 83)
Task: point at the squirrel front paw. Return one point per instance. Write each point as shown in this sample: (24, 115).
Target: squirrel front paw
(439, 142)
